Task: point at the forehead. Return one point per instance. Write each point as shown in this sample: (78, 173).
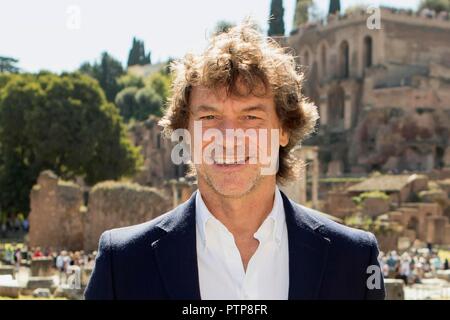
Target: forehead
(201, 95)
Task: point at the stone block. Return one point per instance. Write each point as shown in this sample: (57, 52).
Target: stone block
(394, 289)
(40, 282)
(41, 267)
(7, 270)
(9, 291)
(41, 293)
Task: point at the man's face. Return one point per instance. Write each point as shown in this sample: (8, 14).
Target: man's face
(236, 170)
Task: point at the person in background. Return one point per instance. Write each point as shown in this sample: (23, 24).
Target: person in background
(25, 225)
(405, 267)
(60, 265)
(17, 258)
(38, 253)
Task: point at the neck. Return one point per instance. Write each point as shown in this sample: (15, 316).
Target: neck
(241, 215)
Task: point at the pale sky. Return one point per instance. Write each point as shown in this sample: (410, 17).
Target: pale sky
(47, 34)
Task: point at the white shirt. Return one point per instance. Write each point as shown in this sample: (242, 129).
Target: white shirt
(221, 272)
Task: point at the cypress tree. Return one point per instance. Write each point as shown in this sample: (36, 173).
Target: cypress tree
(276, 23)
(137, 54)
(335, 6)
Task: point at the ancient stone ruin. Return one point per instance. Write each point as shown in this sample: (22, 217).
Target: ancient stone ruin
(115, 204)
(383, 93)
(56, 216)
(66, 216)
(418, 208)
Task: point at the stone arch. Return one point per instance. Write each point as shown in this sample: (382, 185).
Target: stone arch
(367, 52)
(413, 224)
(313, 82)
(344, 59)
(439, 160)
(323, 52)
(307, 57)
(336, 106)
(306, 61)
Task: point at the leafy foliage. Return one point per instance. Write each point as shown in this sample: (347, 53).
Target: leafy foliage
(436, 5)
(144, 97)
(62, 123)
(137, 55)
(8, 64)
(223, 26)
(301, 15)
(106, 72)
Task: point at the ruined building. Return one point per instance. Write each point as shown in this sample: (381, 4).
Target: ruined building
(158, 168)
(65, 215)
(383, 93)
(417, 206)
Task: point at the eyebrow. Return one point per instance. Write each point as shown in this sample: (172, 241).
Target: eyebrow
(208, 108)
(204, 108)
(258, 107)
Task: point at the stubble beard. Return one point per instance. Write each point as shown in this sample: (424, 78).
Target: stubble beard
(256, 181)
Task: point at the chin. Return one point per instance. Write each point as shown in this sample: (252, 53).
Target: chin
(232, 185)
(232, 191)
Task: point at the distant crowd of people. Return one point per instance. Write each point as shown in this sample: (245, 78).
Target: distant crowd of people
(413, 265)
(13, 225)
(63, 261)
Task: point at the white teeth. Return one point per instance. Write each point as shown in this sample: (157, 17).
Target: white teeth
(229, 161)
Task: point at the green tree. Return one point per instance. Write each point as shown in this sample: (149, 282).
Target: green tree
(107, 73)
(223, 26)
(301, 15)
(149, 103)
(436, 5)
(16, 180)
(62, 123)
(160, 83)
(143, 97)
(335, 6)
(126, 102)
(130, 80)
(276, 22)
(8, 64)
(137, 55)
(4, 79)
(139, 104)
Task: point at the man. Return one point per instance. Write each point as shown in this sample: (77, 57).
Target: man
(238, 236)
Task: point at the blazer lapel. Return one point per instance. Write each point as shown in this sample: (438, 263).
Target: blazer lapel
(308, 251)
(176, 253)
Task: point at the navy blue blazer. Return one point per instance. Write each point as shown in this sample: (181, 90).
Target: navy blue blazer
(158, 260)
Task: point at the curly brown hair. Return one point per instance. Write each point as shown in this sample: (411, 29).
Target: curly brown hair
(244, 62)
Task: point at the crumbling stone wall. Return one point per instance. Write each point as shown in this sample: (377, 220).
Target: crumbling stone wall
(401, 140)
(60, 219)
(56, 217)
(115, 204)
(156, 151)
(392, 114)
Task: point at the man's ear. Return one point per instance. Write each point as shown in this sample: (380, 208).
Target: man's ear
(284, 137)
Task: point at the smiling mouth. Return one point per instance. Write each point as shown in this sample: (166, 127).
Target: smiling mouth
(231, 162)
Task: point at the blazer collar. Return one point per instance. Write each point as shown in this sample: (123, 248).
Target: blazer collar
(308, 250)
(176, 253)
(177, 257)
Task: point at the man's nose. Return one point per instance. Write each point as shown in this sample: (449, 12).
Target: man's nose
(228, 128)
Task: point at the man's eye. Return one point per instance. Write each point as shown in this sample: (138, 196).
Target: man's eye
(249, 117)
(209, 117)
